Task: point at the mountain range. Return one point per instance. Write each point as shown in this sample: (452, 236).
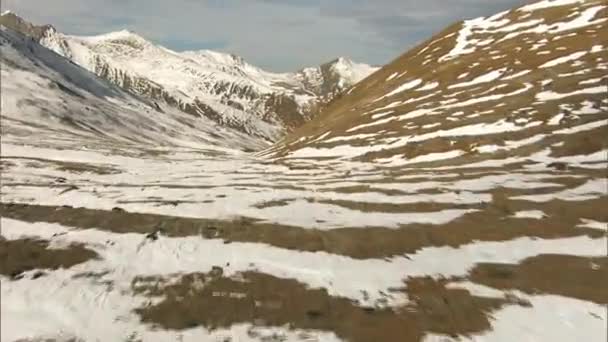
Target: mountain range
(456, 194)
(219, 86)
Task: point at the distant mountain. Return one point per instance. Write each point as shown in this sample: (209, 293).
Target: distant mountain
(15, 22)
(531, 82)
(222, 87)
(45, 96)
(334, 77)
(457, 194)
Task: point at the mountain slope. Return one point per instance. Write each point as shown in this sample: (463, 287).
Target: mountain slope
(530, 81)
(45, 95)
(219, 86)
(13, 21)
(125, 221)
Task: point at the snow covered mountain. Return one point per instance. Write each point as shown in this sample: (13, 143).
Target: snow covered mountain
(334, 77)
(45, 95)
(222, 87)
(528, 83)
(458, 194)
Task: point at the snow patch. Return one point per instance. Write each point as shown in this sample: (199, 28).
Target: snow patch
(548, 4)
(531, 214)
(406, 86)
(564, 59)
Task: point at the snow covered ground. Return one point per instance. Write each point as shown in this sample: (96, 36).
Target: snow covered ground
(113, 212)
(300, 197)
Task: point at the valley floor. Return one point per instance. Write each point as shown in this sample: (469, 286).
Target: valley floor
(105, 242)
(457, 194)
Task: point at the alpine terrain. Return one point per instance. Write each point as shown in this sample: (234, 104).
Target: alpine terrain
(458, 193)
(221, 87)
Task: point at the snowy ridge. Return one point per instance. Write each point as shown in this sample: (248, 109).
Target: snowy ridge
(39, 86)
(232, 88)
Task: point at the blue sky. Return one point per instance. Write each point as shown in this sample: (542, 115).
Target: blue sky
(277, 35)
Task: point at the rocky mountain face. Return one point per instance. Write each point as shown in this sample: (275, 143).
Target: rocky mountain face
(15, 22)
(45, 95)
(529, 82)
(333, 77)
(219, 86)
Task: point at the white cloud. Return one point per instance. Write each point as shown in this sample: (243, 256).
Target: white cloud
(279, 35)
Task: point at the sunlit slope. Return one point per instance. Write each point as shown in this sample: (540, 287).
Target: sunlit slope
(526, 82)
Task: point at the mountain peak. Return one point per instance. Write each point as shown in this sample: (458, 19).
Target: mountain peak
(219, 85)
(116, 35)
(127, 38)
(14, 16)
(126, 32)
(215, 57)
(15, 22)
(342, 60)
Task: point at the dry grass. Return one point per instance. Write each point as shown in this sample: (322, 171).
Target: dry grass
(19, 256)
(492, 222)
(215, 301)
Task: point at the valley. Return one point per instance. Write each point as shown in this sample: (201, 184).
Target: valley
(457, 193)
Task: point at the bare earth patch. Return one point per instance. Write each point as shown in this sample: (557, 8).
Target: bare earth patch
(214, 301)
(494, 223)
(564, 275)
(18, 256)
(68, 166)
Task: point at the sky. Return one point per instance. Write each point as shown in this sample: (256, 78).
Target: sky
(278, 35)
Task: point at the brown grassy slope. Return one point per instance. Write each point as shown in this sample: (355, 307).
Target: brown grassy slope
(536, 43)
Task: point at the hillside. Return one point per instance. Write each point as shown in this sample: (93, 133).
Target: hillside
(529, 83)
(219, 86)
(458, 194)
(46, 97)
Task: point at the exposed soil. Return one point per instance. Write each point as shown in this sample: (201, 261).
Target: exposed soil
(68, 166)
(492, 222)
(586, 142)
(417, 207)
(214, 301)
(71, 339)
(564, 275)
(18, 256)
(270, 204)
(5, 165)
